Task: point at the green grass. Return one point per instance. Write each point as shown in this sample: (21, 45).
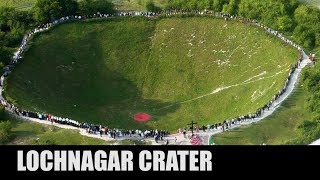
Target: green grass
(106, 71)
(135, 5)
(312, 2)
(122, 5)
(29, 133)
(277, 129)
(19, 4)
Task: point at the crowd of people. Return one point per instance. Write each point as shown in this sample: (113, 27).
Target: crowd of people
(157, 135)
(90, 128)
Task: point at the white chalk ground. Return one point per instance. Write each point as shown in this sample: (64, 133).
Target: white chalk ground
(178, 139)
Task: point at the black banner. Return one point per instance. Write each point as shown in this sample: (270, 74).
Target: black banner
(240, 161)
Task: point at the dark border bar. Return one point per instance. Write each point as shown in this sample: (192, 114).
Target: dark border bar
(239, 161)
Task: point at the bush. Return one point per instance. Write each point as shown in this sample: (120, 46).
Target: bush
(5, 55)
(90, 7)
(151, 7)
(13, 25)
(5, 131)
(2, 113)
(49, 10)
(308, 132)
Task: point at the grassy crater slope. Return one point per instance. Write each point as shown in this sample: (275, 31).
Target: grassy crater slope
(175, 69)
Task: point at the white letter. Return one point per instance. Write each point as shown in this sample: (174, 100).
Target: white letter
(126, 161)
(60, 160)
(144, 166)
(172, 161)
(158, 158)
(100, 162)
(183, 155)
(74, 161)
(193, 161)
(33, 160)
(205, 161)
(87, 161)
(21, 167)
(114, 162)
(45, 156)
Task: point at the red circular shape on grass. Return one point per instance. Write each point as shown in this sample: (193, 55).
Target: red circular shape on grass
(142, 117)
(195, 140)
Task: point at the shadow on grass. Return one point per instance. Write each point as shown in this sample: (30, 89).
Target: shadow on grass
(90, 82)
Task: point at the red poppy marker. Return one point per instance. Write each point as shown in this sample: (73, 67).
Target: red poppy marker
(195, 140)
(142, 117)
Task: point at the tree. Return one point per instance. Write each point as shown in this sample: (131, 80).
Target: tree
(90, 7)
(251, 9)
(218, 5)
(205, 4)
(231, 8)
(151, 7)
(305, 36)
(5, 55)
(307, 15)
(285, 23)
(49, 10)
(13, 25)
(311, 83)
(291, 6)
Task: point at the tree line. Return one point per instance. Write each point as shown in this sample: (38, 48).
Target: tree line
(14, 23)
(309, 129)
(291, 17)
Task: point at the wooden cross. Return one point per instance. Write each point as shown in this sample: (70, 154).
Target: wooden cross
(191, 124)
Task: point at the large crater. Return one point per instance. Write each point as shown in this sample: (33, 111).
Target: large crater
(174, 69)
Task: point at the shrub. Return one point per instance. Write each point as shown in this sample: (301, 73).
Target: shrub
(5, 131)
(151, 7)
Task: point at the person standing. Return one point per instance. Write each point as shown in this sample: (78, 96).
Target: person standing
(313, 57)
(1, 80)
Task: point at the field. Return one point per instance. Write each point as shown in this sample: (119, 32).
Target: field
(312, 2)
(279, 128)
(135, 5)
(19, 4)
(175, 69)
(126, 5)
